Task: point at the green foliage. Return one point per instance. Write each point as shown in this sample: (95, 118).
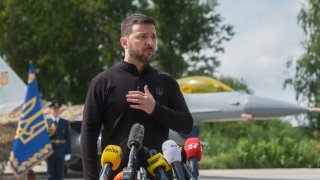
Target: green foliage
(236, 84)
(186, 28)
(61, 38)
(262, 144)
(307, 78)
(72, 41)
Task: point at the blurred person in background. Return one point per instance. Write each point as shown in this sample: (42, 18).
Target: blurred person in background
(59, 133)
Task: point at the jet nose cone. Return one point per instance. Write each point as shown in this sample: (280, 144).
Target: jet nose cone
(259, 106)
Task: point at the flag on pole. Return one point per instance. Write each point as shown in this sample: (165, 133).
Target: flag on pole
(31, 144)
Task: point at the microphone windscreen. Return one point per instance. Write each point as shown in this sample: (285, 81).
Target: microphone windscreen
(171, 151)
(111, 154)
(136, 136)
(193, 148)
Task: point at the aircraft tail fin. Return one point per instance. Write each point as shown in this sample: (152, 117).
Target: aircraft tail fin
(12, 88)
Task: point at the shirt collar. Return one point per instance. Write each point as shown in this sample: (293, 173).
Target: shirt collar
(56, 119)
(128, 67)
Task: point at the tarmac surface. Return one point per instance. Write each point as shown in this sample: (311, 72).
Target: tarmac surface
(261, 174)
(214, 174)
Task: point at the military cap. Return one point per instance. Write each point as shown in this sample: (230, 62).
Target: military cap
(55, 104)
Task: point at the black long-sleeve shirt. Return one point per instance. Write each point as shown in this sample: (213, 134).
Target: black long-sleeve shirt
(106, 105)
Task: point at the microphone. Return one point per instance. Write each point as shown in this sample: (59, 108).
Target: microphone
(110, 160)
(183, 155)
(118, 176)
(142, 174)
(184, 166)
(134, 143)
(172, 154)
(157, 165)
(193, 150)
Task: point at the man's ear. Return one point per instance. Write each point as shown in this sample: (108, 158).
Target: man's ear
(124, 42)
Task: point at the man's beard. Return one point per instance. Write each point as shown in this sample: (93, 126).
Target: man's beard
(139, 55)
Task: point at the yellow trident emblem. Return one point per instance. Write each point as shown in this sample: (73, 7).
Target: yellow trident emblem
(4, 78)
(28, 129)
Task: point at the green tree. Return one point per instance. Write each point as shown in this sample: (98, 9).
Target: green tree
(186, 28)
(306, 81)
(68, 41)
(236, 84)
(71, 41)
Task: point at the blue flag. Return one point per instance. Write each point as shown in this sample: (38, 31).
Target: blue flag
(31, 144)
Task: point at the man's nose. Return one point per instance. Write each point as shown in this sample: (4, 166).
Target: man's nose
(150, 41)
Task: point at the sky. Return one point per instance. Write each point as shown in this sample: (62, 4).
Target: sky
(267, 35)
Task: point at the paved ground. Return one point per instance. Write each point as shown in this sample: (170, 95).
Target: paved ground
(216, 174)
(261, 174)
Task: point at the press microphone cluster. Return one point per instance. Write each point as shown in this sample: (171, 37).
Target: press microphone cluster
(157, 164)
(110, 160)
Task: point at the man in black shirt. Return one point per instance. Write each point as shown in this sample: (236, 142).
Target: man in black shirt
(130, 92)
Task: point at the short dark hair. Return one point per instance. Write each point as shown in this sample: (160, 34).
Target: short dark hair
(133, 19)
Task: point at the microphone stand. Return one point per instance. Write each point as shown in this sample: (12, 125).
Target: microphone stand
(129, 171)
(186, 170)
(178, 170)
(142, 174)
(193, 162)
(105, 175)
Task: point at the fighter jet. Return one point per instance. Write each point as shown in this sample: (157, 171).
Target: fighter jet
(232, 106)
(210, 100)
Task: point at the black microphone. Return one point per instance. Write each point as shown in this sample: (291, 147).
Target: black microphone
(172, 154)
(134, 143)
(185, 168)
